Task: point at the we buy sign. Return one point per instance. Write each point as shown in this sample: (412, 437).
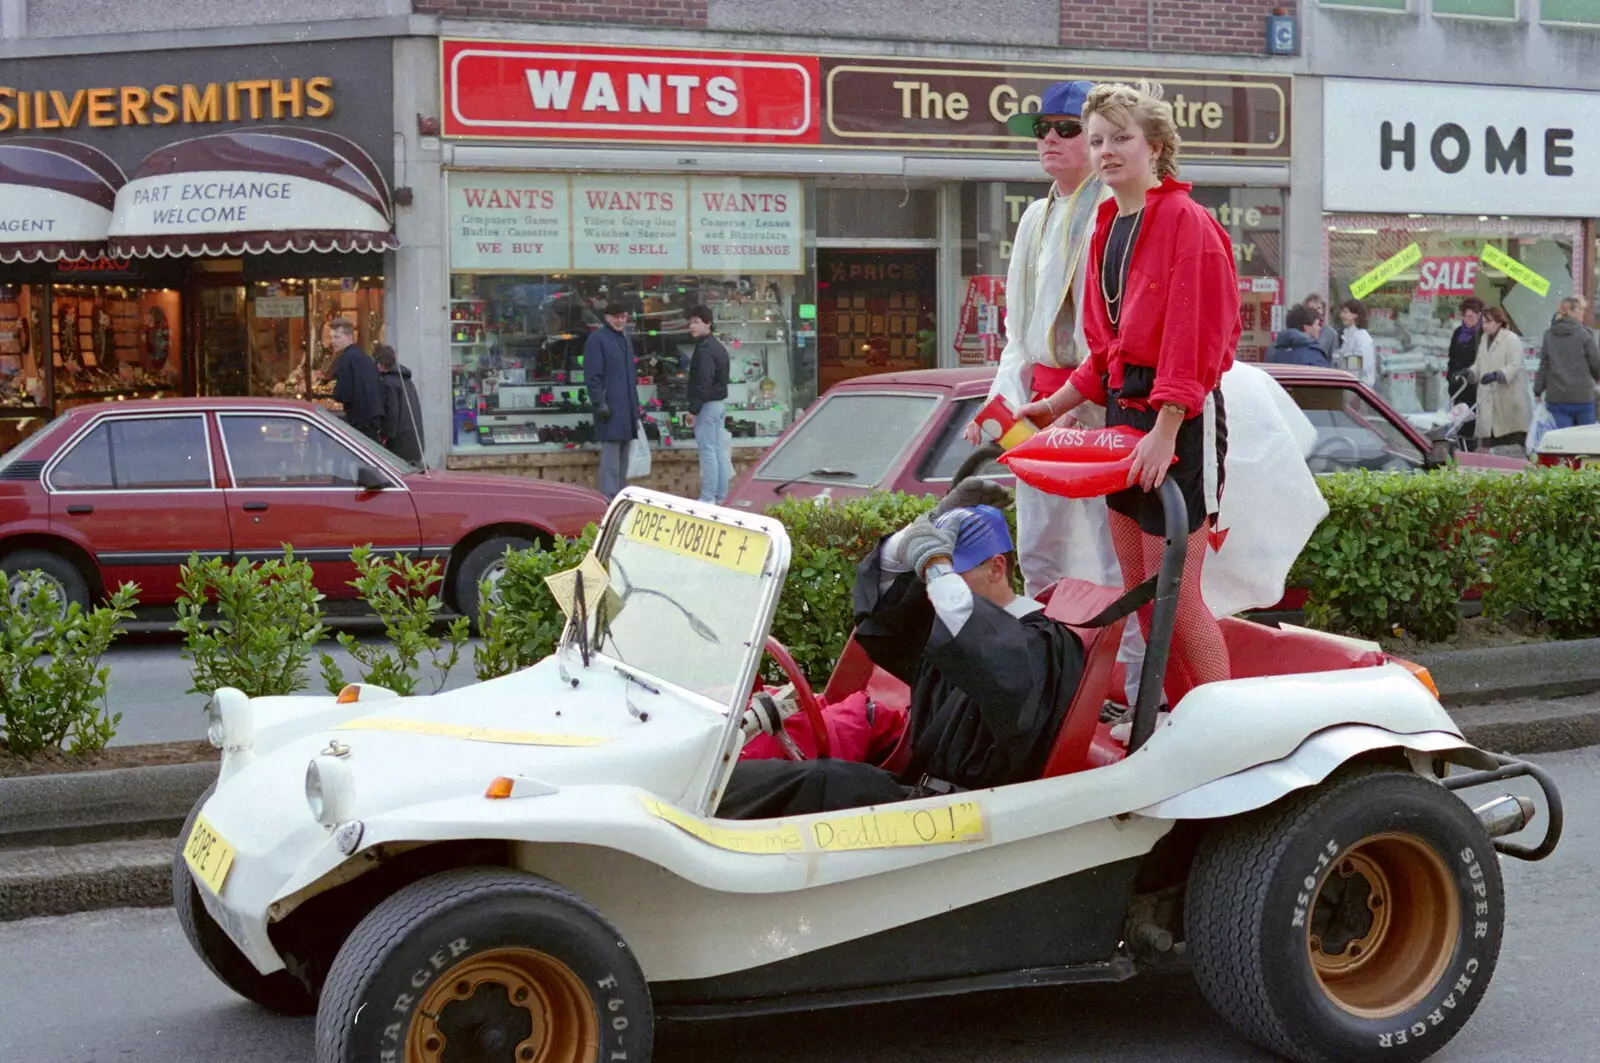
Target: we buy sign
(494, 89)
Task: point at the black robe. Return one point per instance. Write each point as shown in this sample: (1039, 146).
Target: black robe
(985, 704)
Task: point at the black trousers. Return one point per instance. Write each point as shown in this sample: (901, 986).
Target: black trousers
(767, 789)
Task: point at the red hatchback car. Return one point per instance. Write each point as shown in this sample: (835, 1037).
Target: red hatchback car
(126, 491)
(902, 432)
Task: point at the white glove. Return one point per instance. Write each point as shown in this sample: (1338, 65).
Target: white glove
(923, 542)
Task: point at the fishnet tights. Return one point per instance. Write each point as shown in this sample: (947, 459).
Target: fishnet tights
(1198, 653)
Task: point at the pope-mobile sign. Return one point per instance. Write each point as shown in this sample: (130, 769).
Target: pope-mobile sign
(1392, 147)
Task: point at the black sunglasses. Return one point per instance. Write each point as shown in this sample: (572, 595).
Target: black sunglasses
(1066, 128)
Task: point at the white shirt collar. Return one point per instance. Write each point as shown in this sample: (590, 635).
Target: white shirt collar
(1022, 606)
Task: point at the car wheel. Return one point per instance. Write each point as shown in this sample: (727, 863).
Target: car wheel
(485, 963)
(279, 991)
(1358, 921)
(486, 561)
(61, 575)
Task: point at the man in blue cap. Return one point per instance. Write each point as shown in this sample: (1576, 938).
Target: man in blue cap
(990, 675)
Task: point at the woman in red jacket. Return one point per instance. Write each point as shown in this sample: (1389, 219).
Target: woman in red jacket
(1161, 315)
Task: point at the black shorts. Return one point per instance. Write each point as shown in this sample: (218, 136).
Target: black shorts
(1190, 471)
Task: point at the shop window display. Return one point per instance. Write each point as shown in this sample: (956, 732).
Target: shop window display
(23, 382)
(114, 342)
(992, 210)
(517, 354)
(1413, 272)
(876, 313)
(265, 337)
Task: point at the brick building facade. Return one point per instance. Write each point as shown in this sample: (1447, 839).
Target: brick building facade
(1199, 26)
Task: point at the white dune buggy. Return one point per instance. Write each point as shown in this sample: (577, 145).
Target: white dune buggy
(530, 871)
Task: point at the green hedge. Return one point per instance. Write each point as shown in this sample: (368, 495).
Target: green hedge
(1401, 551)
(1395, 552)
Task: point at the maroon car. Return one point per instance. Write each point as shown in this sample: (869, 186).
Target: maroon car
(902, 432)
(126, 491)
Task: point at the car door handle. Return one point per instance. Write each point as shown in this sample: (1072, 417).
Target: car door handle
(255, 507)
(79, 509)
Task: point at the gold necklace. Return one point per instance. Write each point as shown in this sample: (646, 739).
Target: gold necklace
(1114, 302)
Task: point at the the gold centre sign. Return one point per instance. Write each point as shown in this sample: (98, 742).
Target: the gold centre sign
(955, 106)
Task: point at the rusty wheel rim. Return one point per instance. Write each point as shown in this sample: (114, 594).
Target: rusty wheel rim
(1383, 927)
(505, 1006)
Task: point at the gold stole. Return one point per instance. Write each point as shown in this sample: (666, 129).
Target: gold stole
(1082, 208)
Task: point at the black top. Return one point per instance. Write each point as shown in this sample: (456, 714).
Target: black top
(402, 415)
(357, 389)
(708, 373)
(1119, 256)
(985, 704)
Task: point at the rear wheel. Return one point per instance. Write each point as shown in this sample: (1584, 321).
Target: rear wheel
(484, 965)
(1359, 921)
(280, 991)
(60, 575)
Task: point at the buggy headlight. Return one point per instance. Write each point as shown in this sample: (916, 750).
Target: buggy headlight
(232, 724)
(330, 790)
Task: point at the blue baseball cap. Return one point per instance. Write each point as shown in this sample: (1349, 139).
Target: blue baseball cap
(1064, 97)
(981, 533)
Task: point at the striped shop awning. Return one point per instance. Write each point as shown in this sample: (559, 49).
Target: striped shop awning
(56, 199)
(270, 189)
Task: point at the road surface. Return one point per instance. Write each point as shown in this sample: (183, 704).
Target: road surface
(123, 985)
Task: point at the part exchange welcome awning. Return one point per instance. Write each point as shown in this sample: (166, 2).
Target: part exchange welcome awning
(56, 199)
(247, 192)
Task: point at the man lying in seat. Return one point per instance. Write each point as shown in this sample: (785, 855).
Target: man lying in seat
(990, 675)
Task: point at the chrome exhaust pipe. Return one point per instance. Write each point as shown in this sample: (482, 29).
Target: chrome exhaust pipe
(1506, 814)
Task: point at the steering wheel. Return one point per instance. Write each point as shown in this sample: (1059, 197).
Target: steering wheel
(802, 690)
(1328, 449)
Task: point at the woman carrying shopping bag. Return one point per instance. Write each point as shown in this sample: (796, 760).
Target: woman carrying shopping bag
(1505, 405)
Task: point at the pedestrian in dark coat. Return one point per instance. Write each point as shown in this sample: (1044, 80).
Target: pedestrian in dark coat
(611, 375)
(402, 411)
(355, 379)
(1298, 343)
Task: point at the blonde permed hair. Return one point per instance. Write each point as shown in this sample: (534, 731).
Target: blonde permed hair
(1140, 106)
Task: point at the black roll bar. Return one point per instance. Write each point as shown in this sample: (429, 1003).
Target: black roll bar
(1163, 616)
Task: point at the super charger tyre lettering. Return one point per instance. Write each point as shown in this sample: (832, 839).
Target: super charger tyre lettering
(498, 953)
(1356, 922)
(279, 991)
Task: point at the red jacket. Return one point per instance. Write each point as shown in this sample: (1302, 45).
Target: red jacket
(1180, 313)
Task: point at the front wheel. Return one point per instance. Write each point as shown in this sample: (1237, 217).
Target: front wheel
(1356, 922)
(484, 965)
(279, 991)
(485, 562)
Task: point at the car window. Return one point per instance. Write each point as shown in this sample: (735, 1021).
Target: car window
(338, 426)
(267, 450)
(1352, 433)
(950, 449)
(137, 454)
(18, 452)
(87, 466)
(851, 438)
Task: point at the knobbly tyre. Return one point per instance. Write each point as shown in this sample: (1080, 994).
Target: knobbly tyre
(529, 870)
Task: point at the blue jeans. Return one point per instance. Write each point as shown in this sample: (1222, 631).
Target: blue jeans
(715, 468)
(1568, 414)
